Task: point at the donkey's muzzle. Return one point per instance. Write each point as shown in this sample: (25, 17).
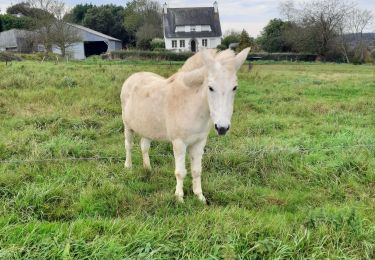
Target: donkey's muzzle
(221, 130)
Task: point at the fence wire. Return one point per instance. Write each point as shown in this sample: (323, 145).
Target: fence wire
(301, 150)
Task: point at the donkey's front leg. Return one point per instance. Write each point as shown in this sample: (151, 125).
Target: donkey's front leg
(196, 152)
(179, 151)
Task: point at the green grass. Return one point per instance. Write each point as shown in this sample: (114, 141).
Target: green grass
(295, 178)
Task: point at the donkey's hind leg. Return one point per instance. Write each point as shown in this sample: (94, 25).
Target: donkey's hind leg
(145, 147)
(128, 147)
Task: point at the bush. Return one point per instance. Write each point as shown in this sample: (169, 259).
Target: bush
(234, 37)
(222, 47)
(8, 56)
(161, 50)
(29, 56)
(152, 55)
(157, 43)
(373, 55)
(144, 44)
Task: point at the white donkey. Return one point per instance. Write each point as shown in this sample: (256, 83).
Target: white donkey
(181, 109)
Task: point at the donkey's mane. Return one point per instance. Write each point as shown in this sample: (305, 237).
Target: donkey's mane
(196, 61)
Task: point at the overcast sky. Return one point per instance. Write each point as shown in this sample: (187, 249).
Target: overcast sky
(251, 15)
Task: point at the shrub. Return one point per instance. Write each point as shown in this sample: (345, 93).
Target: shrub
(161, 50)
(153, 55)
(157, 43)
(67, 82)
(222, 47)
(144, 44)
(233, 37)
(8, 56)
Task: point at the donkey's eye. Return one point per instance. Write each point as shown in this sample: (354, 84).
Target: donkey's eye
(211, 89)
(235, 88)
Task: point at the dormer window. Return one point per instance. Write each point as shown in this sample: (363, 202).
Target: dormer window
(193, 28)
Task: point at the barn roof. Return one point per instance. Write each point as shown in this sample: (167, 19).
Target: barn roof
(80, 27)
(191, 16)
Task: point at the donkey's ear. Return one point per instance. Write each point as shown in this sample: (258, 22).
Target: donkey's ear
(194, 78)
(241, 57)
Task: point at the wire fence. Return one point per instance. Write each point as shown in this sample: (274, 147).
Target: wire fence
(300, 150)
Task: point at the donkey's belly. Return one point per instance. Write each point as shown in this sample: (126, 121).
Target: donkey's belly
(144, 112)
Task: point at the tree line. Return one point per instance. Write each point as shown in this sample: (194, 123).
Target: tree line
(332, 29)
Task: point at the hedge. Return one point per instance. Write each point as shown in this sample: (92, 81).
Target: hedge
(283, 56)
(153, 55)
(182, 56)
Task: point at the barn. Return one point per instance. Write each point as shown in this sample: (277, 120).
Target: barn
(16, 40)
(191, 29)
(92, 43)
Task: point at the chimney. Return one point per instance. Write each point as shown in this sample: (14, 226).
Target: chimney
(165, 7)
(216, 7)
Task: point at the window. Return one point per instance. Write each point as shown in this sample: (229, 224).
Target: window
(182, 43)
(174, 43)
(204, 42)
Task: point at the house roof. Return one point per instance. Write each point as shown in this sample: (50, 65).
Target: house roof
(80, 27)
(191, 16)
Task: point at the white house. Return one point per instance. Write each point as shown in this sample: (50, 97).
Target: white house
(191, 29)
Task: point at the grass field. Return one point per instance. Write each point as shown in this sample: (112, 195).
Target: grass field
(295, 178)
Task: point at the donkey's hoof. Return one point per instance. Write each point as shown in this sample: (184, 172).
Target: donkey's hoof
(147, 167)
(202, 198)
(179, 198)
(128, 165)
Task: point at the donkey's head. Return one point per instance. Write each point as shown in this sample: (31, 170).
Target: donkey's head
(222, 85)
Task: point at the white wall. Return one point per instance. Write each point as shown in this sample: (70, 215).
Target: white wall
(211, 43)
(76, 51)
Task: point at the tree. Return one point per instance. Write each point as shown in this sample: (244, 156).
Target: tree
(44, 20)
(52, 28)
(245, 41)
(358, 21)
(143, 20)
(231, 37)
(107, 19)
(316, 24)
(78, 13)
(25, 9)
(8, 22)
(272, 38)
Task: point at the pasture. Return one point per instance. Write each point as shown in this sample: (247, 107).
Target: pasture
(295, 177)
